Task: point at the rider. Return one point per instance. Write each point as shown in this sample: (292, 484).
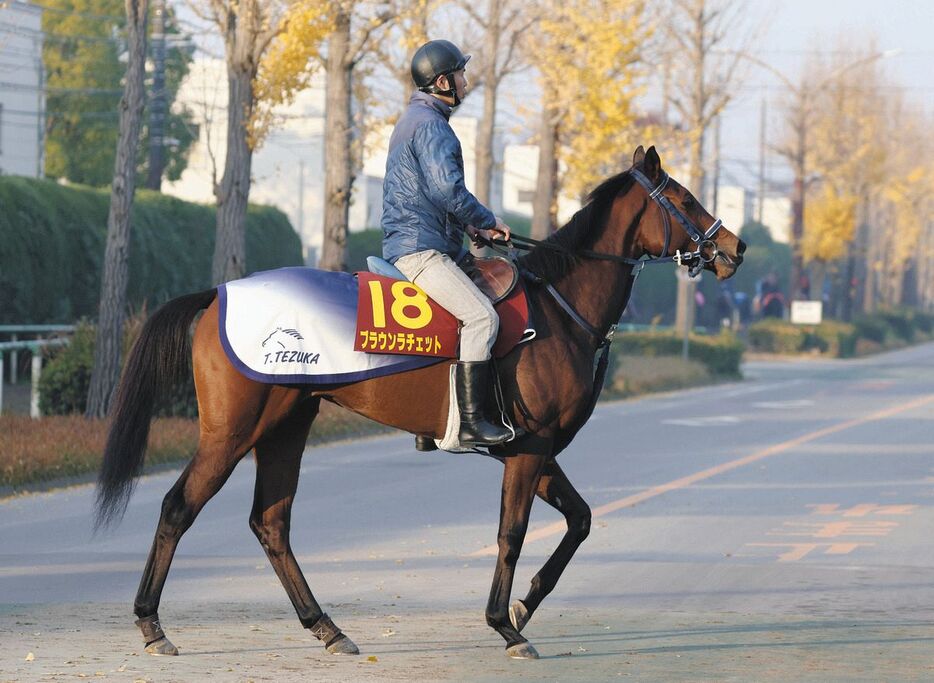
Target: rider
(427, 210)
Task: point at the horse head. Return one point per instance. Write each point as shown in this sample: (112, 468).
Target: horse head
(693, 229)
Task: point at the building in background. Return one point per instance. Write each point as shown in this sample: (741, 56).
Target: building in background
(288, 169)
(22, 95)
(776, 216)
(520, 173)
(735, 206)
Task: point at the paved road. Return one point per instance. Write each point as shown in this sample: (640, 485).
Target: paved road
(779, 527)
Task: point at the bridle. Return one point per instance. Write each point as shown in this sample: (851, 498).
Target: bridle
(702, 239)
(706, 251)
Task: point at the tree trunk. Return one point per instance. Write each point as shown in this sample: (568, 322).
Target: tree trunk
(234, 190)
(338, 178)
(485, 134)
(112, 309)
(484, 151)
(544, 207)
(696, 165)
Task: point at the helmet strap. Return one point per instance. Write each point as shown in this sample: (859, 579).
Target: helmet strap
(450, 92)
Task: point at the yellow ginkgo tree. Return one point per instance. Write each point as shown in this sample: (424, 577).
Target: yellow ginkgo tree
(829, 225)
(333, 36)
(587, 53)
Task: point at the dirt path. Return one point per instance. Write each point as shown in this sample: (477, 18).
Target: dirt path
(261, 642)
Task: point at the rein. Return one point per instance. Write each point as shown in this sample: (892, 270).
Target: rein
(695, 260)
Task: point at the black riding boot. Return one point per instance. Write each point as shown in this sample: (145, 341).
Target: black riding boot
(470, 386)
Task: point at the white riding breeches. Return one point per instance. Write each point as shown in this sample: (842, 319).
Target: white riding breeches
(447, 284)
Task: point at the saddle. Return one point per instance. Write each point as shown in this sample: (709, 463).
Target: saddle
(495, 276)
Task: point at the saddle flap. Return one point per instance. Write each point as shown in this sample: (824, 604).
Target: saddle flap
(495, 276)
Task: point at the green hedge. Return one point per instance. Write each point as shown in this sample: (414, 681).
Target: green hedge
(52, 246)
(882, 329)
(720, 354)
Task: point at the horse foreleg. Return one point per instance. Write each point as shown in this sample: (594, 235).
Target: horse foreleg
(202, 478)
(555, 489)
(520, 480)
(278, 460)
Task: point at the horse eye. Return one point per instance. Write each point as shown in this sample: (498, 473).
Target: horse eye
(688, 203)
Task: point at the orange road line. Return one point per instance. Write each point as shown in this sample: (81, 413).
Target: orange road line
(684, 482)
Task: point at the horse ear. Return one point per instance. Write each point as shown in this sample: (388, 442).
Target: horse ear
(638, 156)
(652, 166)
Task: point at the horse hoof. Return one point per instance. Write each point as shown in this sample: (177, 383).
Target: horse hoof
(518, 615)
(343, 646)
(522, 651)
(161, 647)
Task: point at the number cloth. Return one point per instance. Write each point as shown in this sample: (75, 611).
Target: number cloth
(299, 326)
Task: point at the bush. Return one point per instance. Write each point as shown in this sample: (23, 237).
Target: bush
(901, 322)
(832, 337)
(66, 376)
(635, 375)
(868, 334)
(872, 328)
(52, 247)
(720, 354)
(924, 322)
(362, 244)
(773, 335)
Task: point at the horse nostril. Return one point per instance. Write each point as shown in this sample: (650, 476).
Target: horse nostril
(741, 248)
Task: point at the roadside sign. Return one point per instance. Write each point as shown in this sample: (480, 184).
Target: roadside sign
(807, 312)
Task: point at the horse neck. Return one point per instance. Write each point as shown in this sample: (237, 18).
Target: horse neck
(599, 289)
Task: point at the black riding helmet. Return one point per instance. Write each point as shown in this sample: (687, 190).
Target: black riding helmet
(437, 58)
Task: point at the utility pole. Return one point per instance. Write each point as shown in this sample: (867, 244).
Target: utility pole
(760, 205)
(40, 96)
(715, 186)
(157, 101)
(301, 200)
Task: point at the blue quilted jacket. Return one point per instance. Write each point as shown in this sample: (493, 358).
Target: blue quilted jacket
(425, 203)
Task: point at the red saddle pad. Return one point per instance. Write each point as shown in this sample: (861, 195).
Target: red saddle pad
(396, 316)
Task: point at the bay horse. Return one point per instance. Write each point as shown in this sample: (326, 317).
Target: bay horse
(586, 271)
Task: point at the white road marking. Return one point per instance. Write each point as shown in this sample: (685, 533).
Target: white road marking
(713, 421)
(782, 405)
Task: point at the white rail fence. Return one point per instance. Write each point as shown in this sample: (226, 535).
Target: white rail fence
(35, 346)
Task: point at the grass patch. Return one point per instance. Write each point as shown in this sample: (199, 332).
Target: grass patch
(60, 446)
(635, 375)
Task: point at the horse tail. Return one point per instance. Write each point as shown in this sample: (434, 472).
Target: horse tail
(158, 360)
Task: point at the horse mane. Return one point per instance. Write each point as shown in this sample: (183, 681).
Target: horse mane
(588, 222)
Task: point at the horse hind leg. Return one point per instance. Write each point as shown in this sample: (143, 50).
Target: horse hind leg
(555, 489)
(278, 460)
(203, 477)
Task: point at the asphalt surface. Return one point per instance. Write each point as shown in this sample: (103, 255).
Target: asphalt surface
(774, 528)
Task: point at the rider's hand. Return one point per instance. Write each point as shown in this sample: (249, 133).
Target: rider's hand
(501, 230)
